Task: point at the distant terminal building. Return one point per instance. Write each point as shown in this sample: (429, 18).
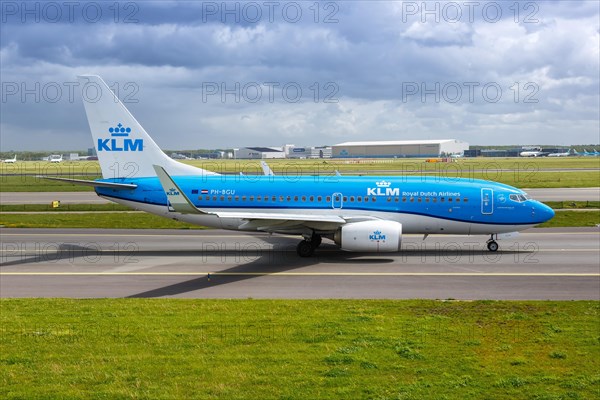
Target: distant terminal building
(399, 149)
(292, 151)
(259, 153)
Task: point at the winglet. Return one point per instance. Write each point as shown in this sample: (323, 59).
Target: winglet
(266, 169)
(175, 195)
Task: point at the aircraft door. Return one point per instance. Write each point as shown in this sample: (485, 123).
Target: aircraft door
(487, 201)
(337, 200)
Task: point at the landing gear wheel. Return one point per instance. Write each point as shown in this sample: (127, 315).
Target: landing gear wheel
(305, 249)
(315, 241)
(492, 245)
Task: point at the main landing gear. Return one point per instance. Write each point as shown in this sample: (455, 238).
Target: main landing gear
(307, 247)
(492, 245)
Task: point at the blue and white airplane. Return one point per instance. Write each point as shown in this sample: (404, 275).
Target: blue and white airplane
(594, 153)
(366, 213)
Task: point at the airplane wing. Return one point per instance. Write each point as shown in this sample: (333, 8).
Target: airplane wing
(83, 182)
(262, 221)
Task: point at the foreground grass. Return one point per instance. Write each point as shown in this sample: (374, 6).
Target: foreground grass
(140, 220)
(326, 349)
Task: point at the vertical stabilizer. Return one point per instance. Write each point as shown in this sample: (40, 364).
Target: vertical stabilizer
(124, 148)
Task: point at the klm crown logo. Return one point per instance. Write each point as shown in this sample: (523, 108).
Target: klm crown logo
(377, 235)
(120, 141)
(383, 189)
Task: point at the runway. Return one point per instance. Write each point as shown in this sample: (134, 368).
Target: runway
(559, 264)
(557, 194)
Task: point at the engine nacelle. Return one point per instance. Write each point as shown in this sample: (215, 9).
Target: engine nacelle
(371, 236)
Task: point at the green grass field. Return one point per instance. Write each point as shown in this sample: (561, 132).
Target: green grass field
(288, 349)
(519, 172)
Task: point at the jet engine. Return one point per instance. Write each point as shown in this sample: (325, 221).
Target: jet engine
(370, 236)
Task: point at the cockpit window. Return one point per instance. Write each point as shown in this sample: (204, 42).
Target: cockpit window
(519, 198)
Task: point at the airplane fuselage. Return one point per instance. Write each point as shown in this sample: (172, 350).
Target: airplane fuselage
(426, 205)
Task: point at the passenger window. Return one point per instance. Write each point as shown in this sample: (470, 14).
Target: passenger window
(373, 199)
(419, 199)
(214, 198)
(351, 199)
(441, 199)
(295, 198)
(243, 198)
(328, 199)
(228, 198)
(412, 199)
(435, 199)
(389, 199)
(222, 198)
(465, 200)
(258, 198)
(404, 199)
(251, 198)
(312, 198)
(237, 198)
(274, 198)
(266, 198)
(450, 199)
(319, 198)
(359, 199)
(303, 198)
(426, 199)
(289, 198)
(345, 198)
(396, 199)
(281, 199)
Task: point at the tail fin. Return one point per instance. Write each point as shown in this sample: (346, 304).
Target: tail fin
(124, 148)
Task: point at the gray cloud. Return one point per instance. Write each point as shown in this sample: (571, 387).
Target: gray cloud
(391, 72)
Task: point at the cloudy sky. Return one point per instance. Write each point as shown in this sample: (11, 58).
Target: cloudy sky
(233, 74)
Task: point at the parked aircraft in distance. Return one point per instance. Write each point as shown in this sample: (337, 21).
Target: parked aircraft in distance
(590, 153)
(11, 160)
(359, 213)
(55, 158)
(535, 153)
(563, 154)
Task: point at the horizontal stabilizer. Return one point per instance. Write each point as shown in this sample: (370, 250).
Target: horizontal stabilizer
(83, 182)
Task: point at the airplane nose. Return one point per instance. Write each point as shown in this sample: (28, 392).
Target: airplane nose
(543, 213)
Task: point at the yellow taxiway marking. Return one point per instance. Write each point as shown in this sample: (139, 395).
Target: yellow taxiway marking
(295, 274)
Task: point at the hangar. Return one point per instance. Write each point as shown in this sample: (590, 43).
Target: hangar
(399, 148)
(259, 153)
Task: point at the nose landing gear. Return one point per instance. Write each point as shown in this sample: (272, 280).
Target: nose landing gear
(492, 245)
